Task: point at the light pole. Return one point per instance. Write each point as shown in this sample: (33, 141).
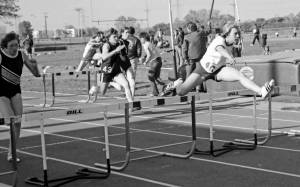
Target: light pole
(172, 39)
(79, 26)
(46, 16)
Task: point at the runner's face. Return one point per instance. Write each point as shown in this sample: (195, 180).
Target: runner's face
(125, 34)
(233, 36)
(113, 39)
(142, 40)
(12, 47)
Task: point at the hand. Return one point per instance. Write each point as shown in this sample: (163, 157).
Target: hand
(232, 61)
(119, 48)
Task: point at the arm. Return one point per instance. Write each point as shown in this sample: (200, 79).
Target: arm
(221, 49)
(185, 48)
(148, 55)
(139, 48)
(106, 54)
(31, 64)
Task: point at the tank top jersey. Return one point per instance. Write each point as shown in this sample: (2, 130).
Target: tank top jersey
(154, 54)
(212, 59)
(10, 74)
(112, 63)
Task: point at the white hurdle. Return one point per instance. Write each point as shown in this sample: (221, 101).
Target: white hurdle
(82, 173)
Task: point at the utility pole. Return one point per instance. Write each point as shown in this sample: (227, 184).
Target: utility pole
(147, 13)
(91, 7)
(78, 10)
(234, 9)
(177, 8)
(46, 16)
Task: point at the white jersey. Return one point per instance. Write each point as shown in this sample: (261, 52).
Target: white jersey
(212, 59)
(152, 49)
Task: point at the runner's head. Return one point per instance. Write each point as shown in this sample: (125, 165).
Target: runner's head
(10, 43)
(191, 27)
(231, 32)
(144, 37)
(112, 36)
(125, 33)
(131, 30)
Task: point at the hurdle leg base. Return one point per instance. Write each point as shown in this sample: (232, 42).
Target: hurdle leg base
(83, 173)
(227, 147)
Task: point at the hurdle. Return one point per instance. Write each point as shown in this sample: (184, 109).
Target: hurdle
(228, 146)
(83, 173)
(57, 74)
(14, 172)
(291, 89)
(192, 97)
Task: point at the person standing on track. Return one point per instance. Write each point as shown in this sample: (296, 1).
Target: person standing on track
(213, 65)
(154, 59)
(11, 65)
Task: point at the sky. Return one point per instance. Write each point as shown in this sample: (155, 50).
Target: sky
(62, 12)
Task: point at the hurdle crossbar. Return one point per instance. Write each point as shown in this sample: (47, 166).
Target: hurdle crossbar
(14, 172)
(71, 73)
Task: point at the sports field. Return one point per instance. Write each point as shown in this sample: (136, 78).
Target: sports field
(78, 141)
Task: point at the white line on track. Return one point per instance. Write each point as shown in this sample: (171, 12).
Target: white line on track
(199, 159)
(98, 169)
(194, 158)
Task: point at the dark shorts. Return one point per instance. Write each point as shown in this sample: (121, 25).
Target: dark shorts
(155, 68)
(206, 75)
(109, 72)
(10, 92)
(125, 65)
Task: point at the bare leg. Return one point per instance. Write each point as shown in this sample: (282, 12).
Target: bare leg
(12, 107)
(120, 79)
(231, 74)
(192, 80)
(131, 80)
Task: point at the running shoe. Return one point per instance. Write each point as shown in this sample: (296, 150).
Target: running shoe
(93, 90)
(168, 89)
(267, 88)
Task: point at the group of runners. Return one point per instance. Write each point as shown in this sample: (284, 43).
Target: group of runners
(117, 55)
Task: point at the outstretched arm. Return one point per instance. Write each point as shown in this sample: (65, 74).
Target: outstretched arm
(225, 53)
(31, 64)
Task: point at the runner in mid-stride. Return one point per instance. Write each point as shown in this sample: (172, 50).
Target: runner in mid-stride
(213, 65)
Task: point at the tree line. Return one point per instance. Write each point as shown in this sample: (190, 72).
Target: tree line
(9, 9)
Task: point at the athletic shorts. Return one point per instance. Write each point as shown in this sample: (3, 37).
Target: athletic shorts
(125, 65)
(109, 72)
(206, 75)
(10, 92)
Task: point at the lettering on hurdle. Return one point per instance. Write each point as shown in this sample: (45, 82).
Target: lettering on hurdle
(74, 112)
